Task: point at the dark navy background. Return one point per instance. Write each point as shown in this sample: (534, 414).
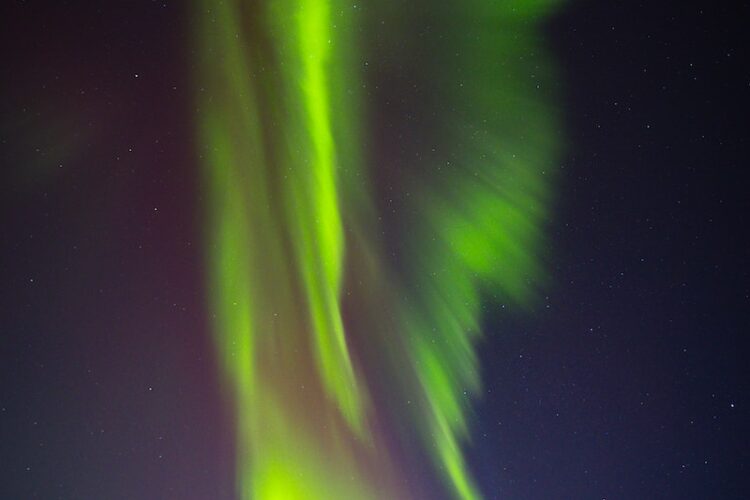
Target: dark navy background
(632, 381)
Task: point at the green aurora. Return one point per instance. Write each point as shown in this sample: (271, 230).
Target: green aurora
(344, 323)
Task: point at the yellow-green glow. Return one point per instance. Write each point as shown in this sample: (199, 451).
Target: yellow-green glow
(330, 347)
(318, 238)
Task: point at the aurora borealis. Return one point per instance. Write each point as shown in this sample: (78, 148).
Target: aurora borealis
(462, 250)
(295, 240)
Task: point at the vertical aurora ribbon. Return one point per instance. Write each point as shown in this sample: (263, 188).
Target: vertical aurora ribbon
(332, 348)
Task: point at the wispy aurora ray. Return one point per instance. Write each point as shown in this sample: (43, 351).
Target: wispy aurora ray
(348, 365)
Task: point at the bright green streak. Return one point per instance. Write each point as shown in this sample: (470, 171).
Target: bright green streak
(275, 248)
(318, 232)
(282, 121)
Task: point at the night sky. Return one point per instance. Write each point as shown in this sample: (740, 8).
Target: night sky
(627, 381)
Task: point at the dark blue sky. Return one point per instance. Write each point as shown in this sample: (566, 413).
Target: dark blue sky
(633, 381)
